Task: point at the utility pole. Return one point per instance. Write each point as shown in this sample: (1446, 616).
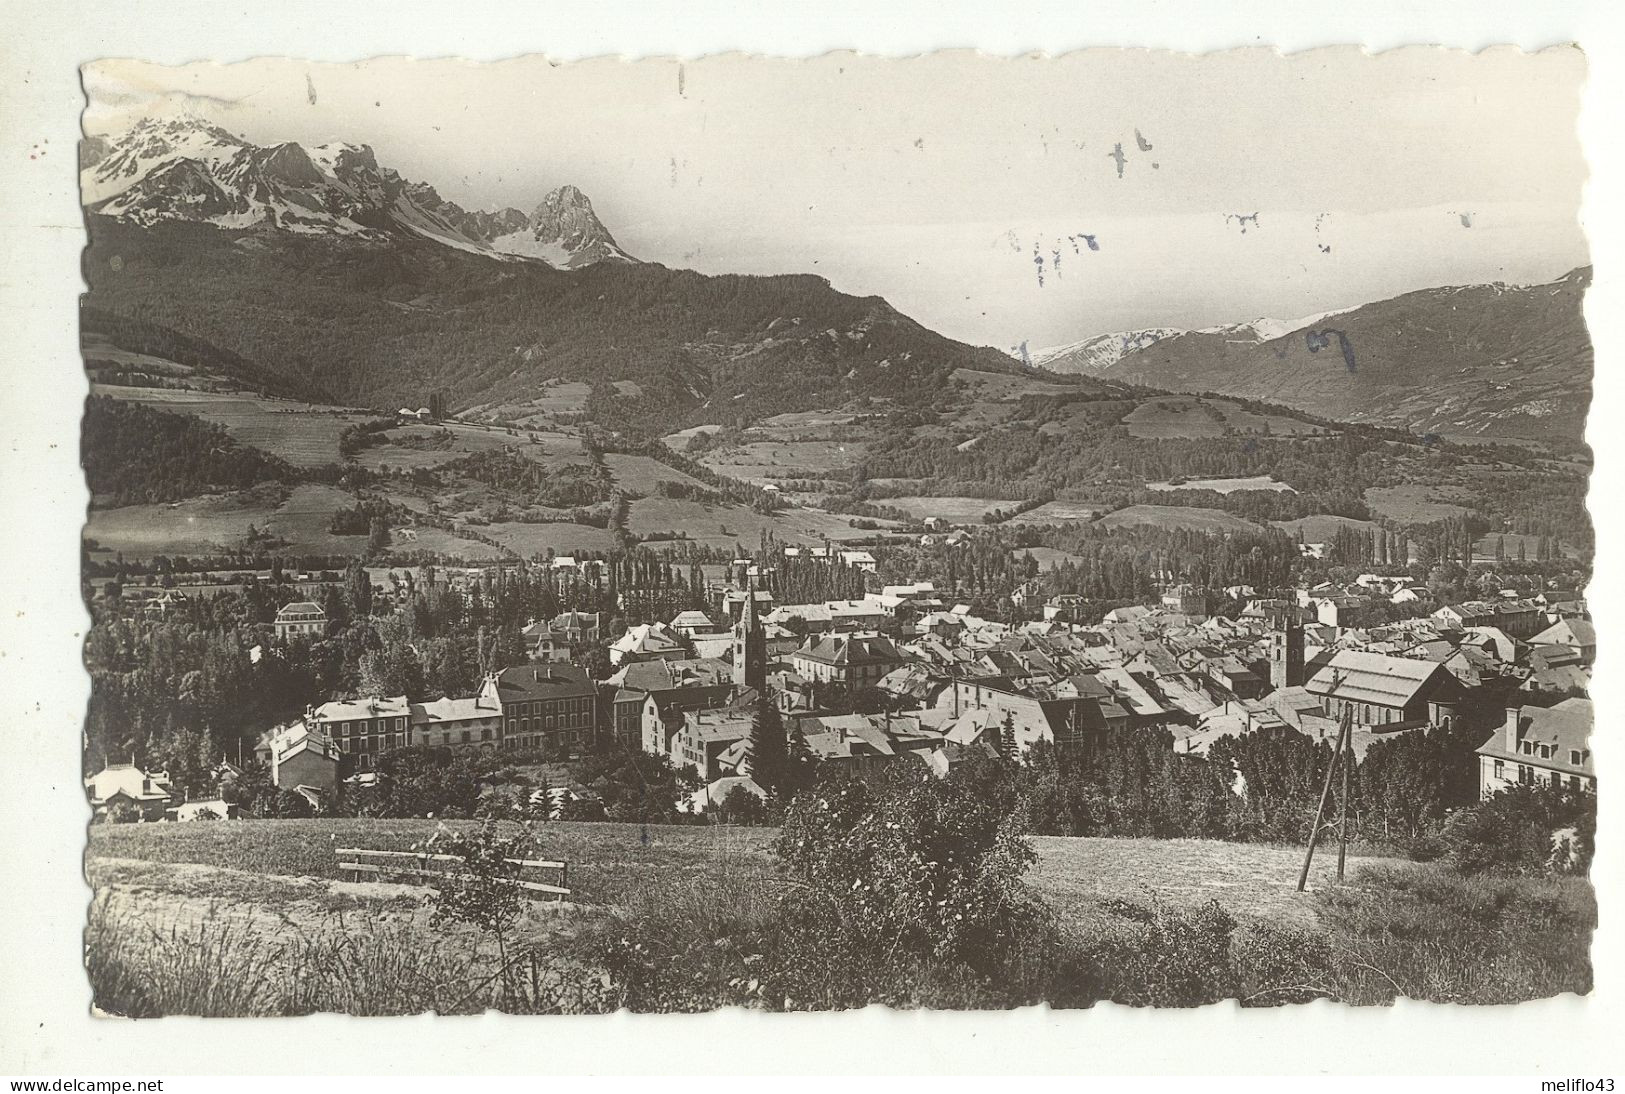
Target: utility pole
(1344, 732)
(1343, 806)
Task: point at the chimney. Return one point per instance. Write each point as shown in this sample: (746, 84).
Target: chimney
(1514, 717)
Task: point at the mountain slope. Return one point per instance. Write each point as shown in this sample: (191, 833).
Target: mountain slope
(185, 169)
(385, 321)
(1495, 360)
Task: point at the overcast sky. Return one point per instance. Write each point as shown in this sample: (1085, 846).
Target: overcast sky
(985, 197)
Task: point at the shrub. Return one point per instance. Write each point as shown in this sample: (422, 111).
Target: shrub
(121, 812)
(1525, 830)
(479, 888)
(900, 881)
(1426, 932)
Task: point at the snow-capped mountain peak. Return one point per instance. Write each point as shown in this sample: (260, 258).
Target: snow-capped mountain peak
(1100, 352)
(563, 231)
(184, 168)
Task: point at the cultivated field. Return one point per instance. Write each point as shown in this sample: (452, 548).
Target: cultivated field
(642, 474)
(1193, 517)
(1190, 418)
(104, 360)
(763, 462)
(1057, 512)
(535, 539)
(1414, 503)
(1225, 486)
(304, 434)
(1048, 558)
(679, 441)
(953, 510)
(219, 523)
(1323, 527)
(725, 525)
(557, 398)
(546, 448)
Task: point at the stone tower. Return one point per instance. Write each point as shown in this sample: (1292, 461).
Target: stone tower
(1286, 653)
(750, 645)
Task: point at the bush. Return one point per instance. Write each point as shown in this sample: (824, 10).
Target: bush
(121, 812)
(901, 883)
(1525, 830)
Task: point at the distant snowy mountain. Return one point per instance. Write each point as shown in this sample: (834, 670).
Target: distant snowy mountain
(1103, 352)
(186, 169)
(1492, 359)
(1100, 352)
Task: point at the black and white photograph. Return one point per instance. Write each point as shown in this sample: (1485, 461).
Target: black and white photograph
(950, 532)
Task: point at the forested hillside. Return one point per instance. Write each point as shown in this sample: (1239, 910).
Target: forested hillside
(387, 324)
(134, 454)
(1500, 360)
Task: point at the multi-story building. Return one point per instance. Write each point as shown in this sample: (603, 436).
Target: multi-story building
(544, 706)
(646, 695)
(1540, 746)
(1380, 690)
(301, 619)
(364, 729)
(457, 723)
(853, 660)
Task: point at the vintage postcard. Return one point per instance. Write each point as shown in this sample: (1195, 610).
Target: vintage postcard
(951, 532)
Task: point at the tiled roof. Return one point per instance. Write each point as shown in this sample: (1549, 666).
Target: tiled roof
(345, 710)
(1374, 678)
(525, 683)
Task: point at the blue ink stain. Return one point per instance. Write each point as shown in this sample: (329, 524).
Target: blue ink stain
(1466, 219)
(643, 835)
(1318, 340)
(1145, 145)
(1432, 439)
(1026, 358)
(1090, 240)
(1038, 261)
(1117, 154)
(1242, 220)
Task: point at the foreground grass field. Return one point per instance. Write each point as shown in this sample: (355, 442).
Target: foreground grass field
(611, 862)
(251, 917)
(608, 862)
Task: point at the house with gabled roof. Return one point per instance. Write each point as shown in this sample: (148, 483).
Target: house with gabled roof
(853, 660)
(649, 698)
(149, 794)
(1379, 689)
(1577, 634)
(301, 619)
(1540, 746)
(647, 642)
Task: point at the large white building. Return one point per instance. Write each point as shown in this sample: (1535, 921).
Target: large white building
(1540, 746)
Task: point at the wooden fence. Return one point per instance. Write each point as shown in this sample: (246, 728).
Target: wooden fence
(420, 865)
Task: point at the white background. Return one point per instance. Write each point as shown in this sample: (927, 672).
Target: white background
(44, 1024)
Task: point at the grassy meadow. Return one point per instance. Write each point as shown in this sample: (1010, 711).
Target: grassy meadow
(251, 917)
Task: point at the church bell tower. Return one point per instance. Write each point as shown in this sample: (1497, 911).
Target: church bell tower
(1286, 652)
(750, 645)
